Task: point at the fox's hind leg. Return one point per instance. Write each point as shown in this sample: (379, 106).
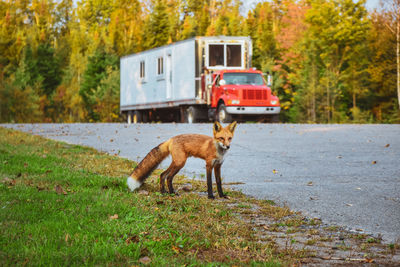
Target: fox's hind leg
(174, 168)
(162, 180)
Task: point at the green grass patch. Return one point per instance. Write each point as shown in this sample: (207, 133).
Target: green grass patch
(64, 204)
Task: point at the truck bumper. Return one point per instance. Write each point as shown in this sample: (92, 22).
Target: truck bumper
(253, 110)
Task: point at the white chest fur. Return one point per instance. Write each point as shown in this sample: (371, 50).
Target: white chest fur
(221, 152)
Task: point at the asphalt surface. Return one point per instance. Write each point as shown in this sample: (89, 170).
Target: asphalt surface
(346, 175)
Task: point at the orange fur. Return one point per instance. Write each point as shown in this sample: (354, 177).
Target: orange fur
(180, 147)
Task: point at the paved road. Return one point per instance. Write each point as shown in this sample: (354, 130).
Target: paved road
(347, 175)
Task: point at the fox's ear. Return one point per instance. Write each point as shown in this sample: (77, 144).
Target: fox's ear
(217, 127)
(232, 126)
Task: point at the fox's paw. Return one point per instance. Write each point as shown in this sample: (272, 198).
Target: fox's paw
(225, 196)
(211, 197)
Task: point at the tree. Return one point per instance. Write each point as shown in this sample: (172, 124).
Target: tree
(289, 39)
(337, 29)
(382, 69)
(393, 7)
(97, 70)
(48, 69)
(157, 26)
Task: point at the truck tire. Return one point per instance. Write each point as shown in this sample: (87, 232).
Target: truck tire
(129, 117)
(191, 115)
(222, 115)
(144, 116)
(137, 117)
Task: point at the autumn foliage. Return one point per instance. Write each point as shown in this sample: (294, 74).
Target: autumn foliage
(332, 61)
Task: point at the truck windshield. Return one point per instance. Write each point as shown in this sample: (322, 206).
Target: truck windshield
(243, 78)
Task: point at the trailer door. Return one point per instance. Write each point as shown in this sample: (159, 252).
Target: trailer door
(169, 76)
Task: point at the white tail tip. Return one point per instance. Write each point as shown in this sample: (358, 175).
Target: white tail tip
(133, 184)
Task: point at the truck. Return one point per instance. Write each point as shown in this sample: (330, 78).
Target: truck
(198, 79)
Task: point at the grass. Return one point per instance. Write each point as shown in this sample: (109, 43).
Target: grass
(64, 204)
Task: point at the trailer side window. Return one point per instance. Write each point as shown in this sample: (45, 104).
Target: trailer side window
(160, 66)
(234, 55)
(142, 69)
(216, 55)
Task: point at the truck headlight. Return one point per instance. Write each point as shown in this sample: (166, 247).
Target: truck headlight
(273, 102)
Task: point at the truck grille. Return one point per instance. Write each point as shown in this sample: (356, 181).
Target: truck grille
(251, 94)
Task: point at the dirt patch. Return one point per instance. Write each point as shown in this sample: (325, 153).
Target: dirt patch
(314, 243)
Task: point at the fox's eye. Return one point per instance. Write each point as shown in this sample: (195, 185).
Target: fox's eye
(221, 139)
(230, 139)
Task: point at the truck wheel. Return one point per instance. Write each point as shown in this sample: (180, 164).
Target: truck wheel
(144, 116)
(129, 117)
(223, 116)
(191, 115)
(137, 116)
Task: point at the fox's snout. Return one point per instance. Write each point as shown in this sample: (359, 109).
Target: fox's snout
(224, 145)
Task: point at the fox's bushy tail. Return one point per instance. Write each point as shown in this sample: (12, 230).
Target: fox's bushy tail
(148, 165)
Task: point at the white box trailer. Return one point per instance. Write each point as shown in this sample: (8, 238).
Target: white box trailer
(162, 83)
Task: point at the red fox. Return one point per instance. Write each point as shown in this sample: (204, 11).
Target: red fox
(212, 150)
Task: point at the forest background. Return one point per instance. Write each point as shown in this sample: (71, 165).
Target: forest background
(333, 61)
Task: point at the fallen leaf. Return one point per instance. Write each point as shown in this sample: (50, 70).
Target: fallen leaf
(113, 217)
(310, 184)
(111, 140)
(40, 188)
(143, 192)
(145, 260)
(387, 145)
(374, 162)
(274, 171)
(349, 205)
(131, 239)
(176, 249)
(8, 181)
(59, 190)
(67, 237)
(187, 187)
(25, 165)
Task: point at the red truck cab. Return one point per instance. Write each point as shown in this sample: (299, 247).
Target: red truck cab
(242, 94)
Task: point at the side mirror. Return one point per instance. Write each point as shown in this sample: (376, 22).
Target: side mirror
(269, 80)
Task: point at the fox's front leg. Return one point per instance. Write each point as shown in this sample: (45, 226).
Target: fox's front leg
(217, 172)
(209, 181)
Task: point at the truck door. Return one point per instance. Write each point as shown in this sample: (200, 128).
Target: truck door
(215, 91)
